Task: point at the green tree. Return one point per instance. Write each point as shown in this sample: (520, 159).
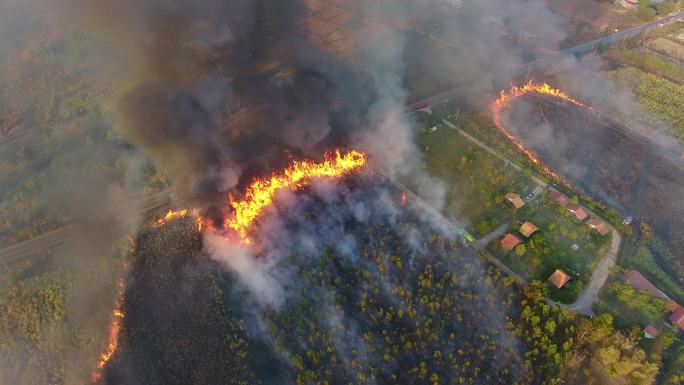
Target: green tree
(665, 7)
(520, 250)
(645, 11)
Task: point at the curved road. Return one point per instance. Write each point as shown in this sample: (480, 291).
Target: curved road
(590, 293)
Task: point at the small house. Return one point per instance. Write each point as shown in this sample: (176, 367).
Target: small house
(598, 225)
(578, 211)
(639, 282)
(651, 332)
(560, 198)
(528, 228)
(515, 199)
(509, 242)
(677, 318)
(559, 278)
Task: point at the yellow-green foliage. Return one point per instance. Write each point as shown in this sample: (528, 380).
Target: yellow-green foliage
(660, 98)
(649, 62)
(30, 307)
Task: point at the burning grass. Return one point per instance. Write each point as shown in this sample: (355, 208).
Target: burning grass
(261, 193)
(113, 336)
(505, 100)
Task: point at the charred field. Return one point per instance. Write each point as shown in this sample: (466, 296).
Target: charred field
(606, 160)
(373, 307)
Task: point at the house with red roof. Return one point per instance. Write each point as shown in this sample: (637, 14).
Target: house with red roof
(677, 318)
(598, 225)
(578, 211)
(639, 282)
(509, 242)
(559, 197)
(651, 332)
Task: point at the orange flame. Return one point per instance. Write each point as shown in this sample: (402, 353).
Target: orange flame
(114, 329)
(171, 215)
(505, 100)
(261, 193)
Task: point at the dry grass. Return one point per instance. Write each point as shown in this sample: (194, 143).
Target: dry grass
(667, 47)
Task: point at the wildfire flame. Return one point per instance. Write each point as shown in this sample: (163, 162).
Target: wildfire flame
(261, 193)
(171, 215)
(505, 100)
(114, 329)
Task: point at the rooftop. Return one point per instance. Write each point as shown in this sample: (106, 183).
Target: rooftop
(514, 198)
(677, 318)
(639, 282)
(559, 278)
(528, 228)
(598, 225)
(559, 197)
(509, 242)
(651, 331)
(578, 211)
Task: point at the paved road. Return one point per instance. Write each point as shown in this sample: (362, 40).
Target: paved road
(53, 238)
(535, 64)
(622, 35)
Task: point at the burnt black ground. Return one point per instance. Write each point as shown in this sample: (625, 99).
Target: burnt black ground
(608, 161)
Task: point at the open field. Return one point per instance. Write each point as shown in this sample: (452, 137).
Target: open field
(648, 62)
(668, 48)
(476, 180)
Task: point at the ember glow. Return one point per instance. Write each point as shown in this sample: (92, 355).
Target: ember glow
(505, 100)
(261, 193)
(114, 329)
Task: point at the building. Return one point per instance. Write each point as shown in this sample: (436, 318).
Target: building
(560, 198)
(527, 229)
(629, 3)
(598, 225)
(578, 211)
(639, 282)
(677, 318)
(559, 278)
(509, 242)
(515, 199)
(671, 304)
(651, 332)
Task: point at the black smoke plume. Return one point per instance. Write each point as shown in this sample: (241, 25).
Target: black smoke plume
(222, 87)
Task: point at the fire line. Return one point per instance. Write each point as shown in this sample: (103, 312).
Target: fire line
(114, 329)
(262, 191)
(505, 100)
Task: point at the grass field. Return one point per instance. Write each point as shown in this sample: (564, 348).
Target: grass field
(476, 180)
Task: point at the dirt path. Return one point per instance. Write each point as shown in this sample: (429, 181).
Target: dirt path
(589, 294)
